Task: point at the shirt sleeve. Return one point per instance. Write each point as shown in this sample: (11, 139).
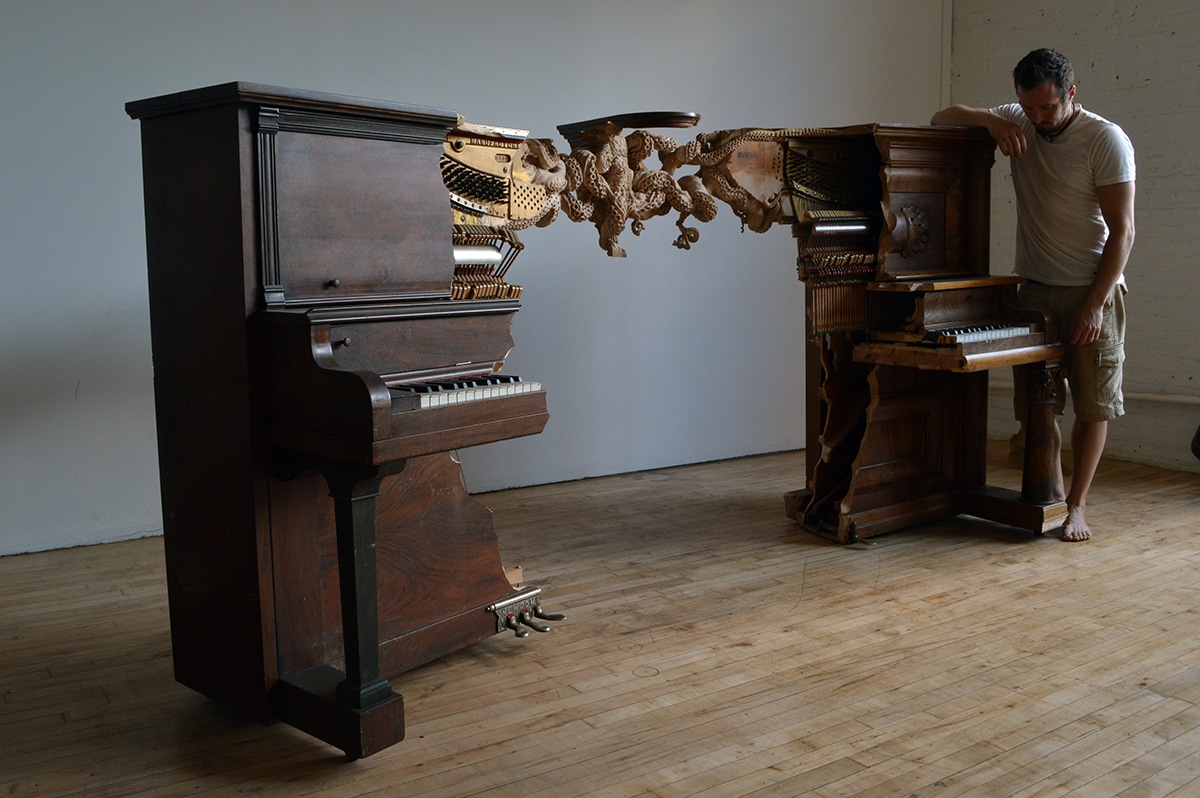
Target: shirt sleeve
(1010, 111)
(1013, 113)
(1112, 157)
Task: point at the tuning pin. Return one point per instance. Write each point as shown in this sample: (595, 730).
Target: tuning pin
(518, 630)
(538, 612)
(528, 620)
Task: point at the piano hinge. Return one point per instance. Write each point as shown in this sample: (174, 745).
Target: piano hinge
(522, 610)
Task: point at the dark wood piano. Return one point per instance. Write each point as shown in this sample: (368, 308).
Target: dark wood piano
(904, 322)
(313, 376)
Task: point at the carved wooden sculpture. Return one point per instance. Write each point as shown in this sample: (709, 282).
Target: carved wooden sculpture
(904, 317)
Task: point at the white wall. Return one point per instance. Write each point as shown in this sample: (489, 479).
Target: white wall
(1135, 63)
(662, 358)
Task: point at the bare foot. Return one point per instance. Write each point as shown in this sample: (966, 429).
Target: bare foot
(1076, 527)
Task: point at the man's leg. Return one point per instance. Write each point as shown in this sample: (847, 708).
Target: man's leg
(1087, 445)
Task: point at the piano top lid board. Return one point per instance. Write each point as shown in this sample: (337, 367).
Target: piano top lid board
(343, 189)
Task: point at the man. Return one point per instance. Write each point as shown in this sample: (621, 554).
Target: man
(1073, 173)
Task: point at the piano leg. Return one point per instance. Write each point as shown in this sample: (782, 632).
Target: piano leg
(1037, 507)
(357, 711)
(354, 491)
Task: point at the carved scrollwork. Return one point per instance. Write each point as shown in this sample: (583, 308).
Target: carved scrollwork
(498, 177)
(610, 184)
(911, 233)
(1043, 384)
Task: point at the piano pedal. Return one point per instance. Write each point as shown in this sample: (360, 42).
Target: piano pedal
(527, 619)
(510, 622)
(523, 612)
(538, 612)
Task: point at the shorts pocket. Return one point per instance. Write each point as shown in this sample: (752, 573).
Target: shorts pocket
(1109, 363)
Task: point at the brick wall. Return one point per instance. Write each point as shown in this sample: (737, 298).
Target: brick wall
(1138, 64)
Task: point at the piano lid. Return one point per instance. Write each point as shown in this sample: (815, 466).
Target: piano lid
(349, 201)
(575, 132)
(279, 96)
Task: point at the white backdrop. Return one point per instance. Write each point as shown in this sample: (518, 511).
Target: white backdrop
(662, 358)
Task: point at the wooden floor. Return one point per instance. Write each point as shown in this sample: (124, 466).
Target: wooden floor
(712, 648)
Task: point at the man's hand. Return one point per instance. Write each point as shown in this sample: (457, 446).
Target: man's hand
(1008, 136)
(1085, 324)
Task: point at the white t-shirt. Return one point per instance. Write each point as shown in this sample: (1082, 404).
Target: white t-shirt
(1060, 231)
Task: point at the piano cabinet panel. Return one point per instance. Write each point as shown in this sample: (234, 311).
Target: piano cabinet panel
(906, 444)
(221, 595)
(354, 217)
(426, 431)
(935, 308)
(308, 616)
(907, 184)
(434, 338)
(837, 388)
(923, 447)
(411, 345)
(326, 399)
(938, 251)
(946, 175)
(413, 433)
(439, 555)
(959, 301)
(439, 564)
(438, 568)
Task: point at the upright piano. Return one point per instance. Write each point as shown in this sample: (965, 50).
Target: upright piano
(904, 320)
(317, 361)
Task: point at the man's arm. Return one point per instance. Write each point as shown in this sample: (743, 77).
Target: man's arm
(1006, 134)
(1116, 206)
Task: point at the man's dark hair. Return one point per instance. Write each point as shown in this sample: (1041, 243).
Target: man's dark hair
(1041, 65)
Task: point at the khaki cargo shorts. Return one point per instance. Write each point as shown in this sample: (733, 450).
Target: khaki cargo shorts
(1095, 370)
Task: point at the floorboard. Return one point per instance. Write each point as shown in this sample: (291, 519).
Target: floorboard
(711, 648)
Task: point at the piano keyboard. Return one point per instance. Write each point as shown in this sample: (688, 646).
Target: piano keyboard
(443, 393)
(981, 332)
